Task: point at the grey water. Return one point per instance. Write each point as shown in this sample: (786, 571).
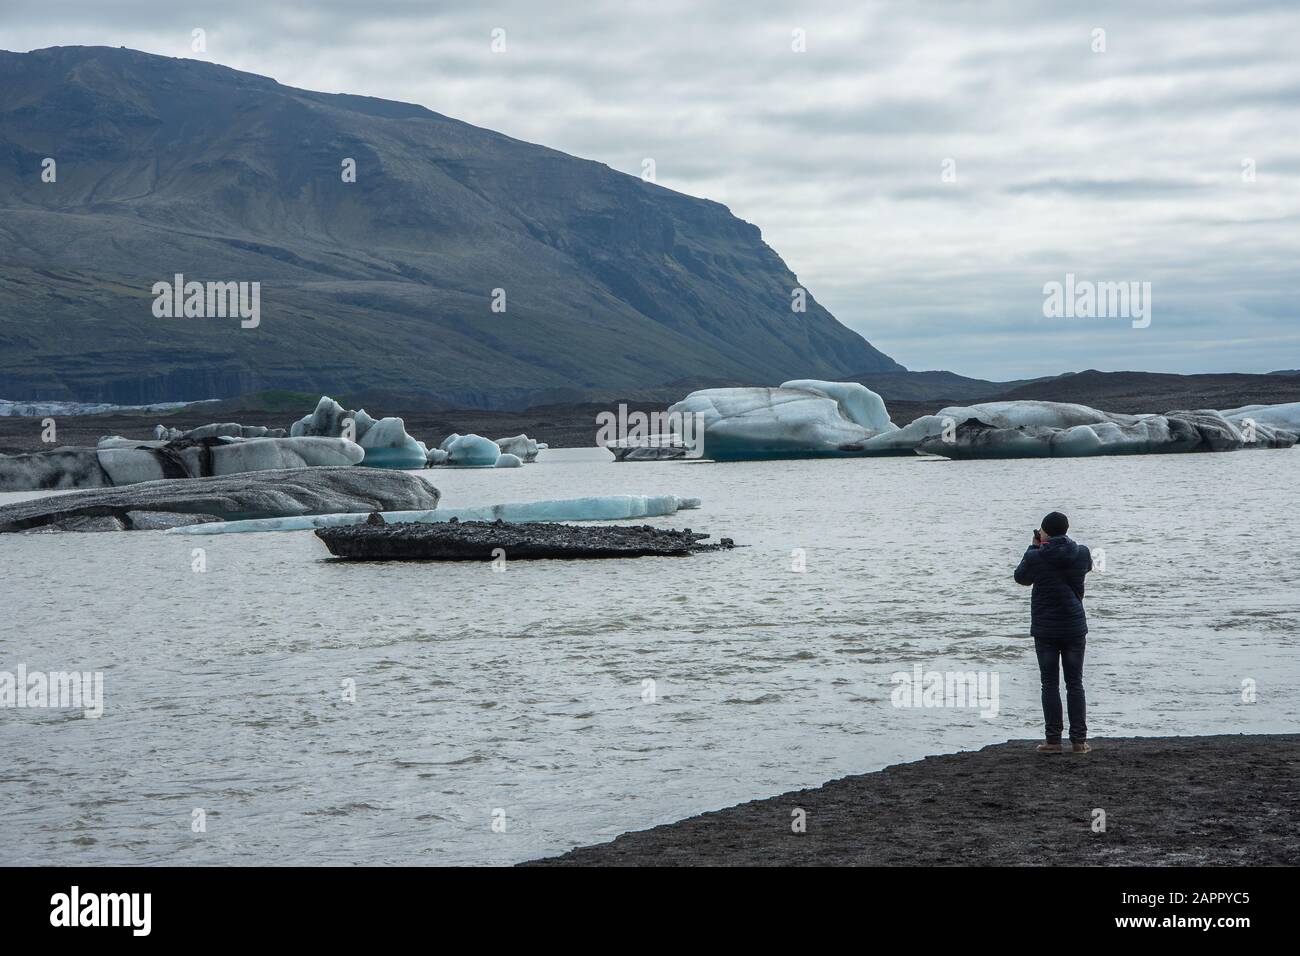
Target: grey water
(310, 711)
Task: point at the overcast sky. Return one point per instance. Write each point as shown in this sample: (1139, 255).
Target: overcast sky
(1123, 165)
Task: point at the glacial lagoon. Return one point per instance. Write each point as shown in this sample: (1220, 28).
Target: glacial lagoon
(316, 711)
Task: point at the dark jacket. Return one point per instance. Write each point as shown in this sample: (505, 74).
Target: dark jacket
(1056, 569)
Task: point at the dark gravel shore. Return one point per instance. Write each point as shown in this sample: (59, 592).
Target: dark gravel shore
(1169, 801)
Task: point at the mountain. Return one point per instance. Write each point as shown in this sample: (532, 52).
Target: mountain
(1137, 392)
(923, 386)
(167, 166)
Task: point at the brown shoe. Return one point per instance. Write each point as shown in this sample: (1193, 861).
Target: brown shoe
(1049, 748)
(1080, 747)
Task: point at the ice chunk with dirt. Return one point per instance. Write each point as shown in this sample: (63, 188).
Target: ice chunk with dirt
(120, 461)
(1032, 429)
(151, 461)
(217, 430)
(521, 446)
(55, 470)
(269, 494)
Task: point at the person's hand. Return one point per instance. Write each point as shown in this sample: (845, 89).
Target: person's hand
(1039, 537)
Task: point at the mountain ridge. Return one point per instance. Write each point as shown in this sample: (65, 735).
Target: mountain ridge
(168, 166)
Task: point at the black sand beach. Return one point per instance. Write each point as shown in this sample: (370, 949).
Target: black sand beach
(1168, 801)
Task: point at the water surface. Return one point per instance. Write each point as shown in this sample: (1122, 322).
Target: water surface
(521, 695)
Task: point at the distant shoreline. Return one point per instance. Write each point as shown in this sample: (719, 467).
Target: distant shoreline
(1231, 800)
(560, 426)
(574, 424)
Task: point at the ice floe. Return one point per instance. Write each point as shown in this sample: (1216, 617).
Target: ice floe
(597, 508)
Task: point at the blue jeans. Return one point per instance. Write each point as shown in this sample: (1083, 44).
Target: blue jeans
(1055, 654)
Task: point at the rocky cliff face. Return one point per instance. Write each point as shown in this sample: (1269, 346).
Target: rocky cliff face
(167, 166)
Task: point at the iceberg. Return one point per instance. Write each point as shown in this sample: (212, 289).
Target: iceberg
(56, 470)
(235, 456)
(268, 494)
(1285, 416)
(903, 441)
(655, 447)
(803, 418)
(133, 465)
(475, 451)
(120, 461)
(1033, 429)
(329, 419)
(217, 430)
(387, 445)
(857, 402)
(813, 418)
(117, 441)
(385, 441)
(598, 508)
(521, 446)
(472, 451)
(223, 456)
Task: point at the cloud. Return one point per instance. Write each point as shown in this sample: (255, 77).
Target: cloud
(1121, 189)
(1132, 164)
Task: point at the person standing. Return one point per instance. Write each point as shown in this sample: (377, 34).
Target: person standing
(1056, 567)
